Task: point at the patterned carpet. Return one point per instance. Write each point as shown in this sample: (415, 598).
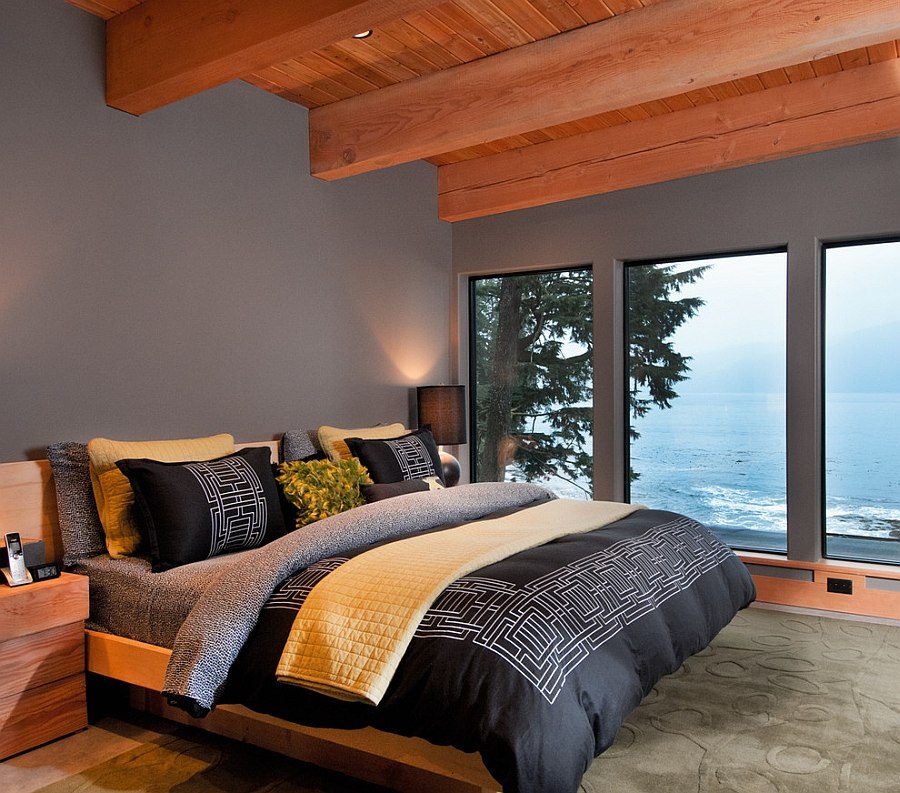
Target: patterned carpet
(780, 703)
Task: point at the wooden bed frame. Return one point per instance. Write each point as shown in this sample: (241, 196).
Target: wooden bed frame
(409, 765)
(28, 505)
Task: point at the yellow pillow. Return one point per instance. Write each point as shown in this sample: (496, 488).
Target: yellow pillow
(113, 492)
(331, 439)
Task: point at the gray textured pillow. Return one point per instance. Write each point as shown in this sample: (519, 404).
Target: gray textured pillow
(298, 445)
(79, 523)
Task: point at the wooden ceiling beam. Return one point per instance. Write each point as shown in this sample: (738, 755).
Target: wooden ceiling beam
(104, 8)
(662, 50)
(841, 109)
(165, 50)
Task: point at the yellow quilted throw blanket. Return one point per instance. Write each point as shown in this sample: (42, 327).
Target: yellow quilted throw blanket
(351, 632)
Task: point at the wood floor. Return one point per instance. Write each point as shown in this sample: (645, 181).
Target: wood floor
(55, 761)
(134, 752)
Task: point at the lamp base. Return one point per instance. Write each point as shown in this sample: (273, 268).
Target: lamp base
(450, 469)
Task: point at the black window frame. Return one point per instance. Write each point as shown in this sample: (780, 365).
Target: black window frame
(472, 357)
(824, 247)
(626, 357)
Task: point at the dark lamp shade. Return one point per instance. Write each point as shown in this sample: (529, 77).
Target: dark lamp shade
(444, 408)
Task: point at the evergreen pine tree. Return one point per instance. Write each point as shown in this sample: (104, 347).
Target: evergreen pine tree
(533, 350)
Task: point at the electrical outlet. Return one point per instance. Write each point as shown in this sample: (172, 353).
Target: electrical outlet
(843, 586)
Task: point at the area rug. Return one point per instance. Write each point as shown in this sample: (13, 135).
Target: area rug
(779, 703)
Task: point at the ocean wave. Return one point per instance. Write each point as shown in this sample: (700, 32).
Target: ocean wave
(863, 521)
(738, 507)
(744, 508)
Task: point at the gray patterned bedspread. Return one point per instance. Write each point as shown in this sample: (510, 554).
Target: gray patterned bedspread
(215, 630)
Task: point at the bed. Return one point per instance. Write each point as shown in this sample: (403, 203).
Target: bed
(518, 673)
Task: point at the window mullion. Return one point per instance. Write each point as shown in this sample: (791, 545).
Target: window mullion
(804, 421)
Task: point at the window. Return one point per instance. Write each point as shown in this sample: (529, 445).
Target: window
(862, 401)
(705, 362)
(531, 373)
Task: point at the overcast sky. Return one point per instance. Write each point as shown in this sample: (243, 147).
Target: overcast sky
(745, 297)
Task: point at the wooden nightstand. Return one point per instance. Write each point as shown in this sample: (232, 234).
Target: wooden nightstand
(42, 690)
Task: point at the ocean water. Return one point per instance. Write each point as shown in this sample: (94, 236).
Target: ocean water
(862, 464)
(721, 459)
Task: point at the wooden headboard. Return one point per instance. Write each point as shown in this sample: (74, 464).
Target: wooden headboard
(28, 500)
(28, 504)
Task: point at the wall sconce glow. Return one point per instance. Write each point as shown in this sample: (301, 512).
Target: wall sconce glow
(415, 357)
(364, 35)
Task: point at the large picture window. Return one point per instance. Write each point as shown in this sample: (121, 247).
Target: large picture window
(706, 404)
(531, 378)
(862, 401)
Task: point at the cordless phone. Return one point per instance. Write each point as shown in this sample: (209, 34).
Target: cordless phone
(16, 574)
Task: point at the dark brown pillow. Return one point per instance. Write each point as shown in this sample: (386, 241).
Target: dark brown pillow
(379, 492)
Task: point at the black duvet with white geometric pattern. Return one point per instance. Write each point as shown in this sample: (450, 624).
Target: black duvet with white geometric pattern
(534, 661)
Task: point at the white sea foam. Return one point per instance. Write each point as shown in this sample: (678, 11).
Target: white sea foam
(721, 458)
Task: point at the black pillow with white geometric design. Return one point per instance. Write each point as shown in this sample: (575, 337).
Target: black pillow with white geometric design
(411, 456)
(195, 510)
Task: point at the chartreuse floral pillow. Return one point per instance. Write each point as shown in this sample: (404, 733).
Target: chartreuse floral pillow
(320, 488)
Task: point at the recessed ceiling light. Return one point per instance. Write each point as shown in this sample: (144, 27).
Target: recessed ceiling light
(364, 35)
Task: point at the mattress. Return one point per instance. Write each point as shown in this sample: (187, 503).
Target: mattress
(129, 600)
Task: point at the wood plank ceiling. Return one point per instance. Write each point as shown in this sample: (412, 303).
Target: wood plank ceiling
(525, 102)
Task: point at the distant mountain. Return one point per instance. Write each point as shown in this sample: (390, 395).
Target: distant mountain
(867, 361)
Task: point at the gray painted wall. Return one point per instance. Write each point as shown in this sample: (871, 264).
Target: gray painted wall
(181, 273)
(800, 202)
